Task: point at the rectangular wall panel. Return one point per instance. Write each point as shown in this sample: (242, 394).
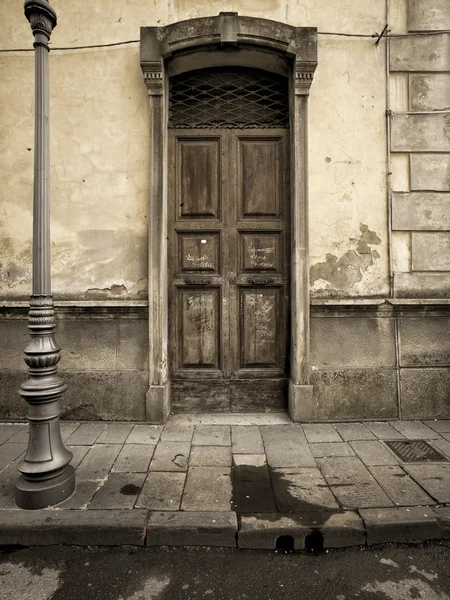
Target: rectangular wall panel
(199, 328)
(416, 56)
(260, 177)
(425, 211)
(430, 172)
(198, 251)
(198, 189)
(260, 327)
(431, 251)
(260, 251)
(420, 133)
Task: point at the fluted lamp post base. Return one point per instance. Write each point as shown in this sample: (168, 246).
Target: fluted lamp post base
(41, 494)
(46, 477)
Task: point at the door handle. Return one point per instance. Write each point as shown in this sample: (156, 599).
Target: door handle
(197, 281)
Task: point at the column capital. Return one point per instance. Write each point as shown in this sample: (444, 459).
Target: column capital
(153, 78)
(303, 77)
(41, 16)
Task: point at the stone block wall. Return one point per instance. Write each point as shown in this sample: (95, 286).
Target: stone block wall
(104, 360)
(420, 146)
(384, 359)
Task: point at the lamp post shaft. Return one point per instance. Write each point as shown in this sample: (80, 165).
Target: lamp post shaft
(46, 477)
(41, 194)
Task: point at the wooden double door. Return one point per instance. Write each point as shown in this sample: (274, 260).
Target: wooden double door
(229, 251)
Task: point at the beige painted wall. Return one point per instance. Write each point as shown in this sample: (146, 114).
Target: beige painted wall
(99, 145)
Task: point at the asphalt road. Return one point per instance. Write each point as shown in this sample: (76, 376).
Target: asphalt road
(65, 573)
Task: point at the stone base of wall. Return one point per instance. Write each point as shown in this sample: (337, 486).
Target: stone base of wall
(388, 360)
(380, 360)
(104, 359)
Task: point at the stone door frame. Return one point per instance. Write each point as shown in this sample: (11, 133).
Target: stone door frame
(227, 40)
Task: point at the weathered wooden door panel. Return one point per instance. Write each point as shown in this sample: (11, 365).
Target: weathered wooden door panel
(260, 332)
(228, 269)
(199, 328)
(250, 395)
(262, 236)
(200, 395)
(260, 176)
(260, 252)
(198, 182)
(198, 316)
(198, 252)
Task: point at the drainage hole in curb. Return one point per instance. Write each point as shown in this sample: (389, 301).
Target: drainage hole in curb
(314, 542)
(285, 543)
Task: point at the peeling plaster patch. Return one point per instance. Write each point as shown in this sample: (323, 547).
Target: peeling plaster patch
(343, 273)
(139, 289)
(116, 290)
(112, 292)
(320, 284)
(107, 263)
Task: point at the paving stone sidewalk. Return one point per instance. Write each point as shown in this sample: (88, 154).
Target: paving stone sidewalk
(243, 480)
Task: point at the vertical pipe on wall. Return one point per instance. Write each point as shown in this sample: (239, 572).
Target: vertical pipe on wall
(389, 197)
(388, 150)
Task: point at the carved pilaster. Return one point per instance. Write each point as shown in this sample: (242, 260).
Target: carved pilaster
(300, 392)
(157, 406)
(47, 478)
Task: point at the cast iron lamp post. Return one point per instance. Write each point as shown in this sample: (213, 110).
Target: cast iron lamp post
(47, 478)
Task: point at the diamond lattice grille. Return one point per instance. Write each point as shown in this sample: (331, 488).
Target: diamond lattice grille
(231, 98)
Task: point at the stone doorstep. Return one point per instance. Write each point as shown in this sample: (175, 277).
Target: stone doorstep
(221, 529)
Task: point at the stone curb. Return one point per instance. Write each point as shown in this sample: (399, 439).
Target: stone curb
(139, 527)
(337, 530)
(73, 527)
(192, 529)
(414, 524)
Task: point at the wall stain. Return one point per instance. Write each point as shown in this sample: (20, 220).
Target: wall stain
(94, 264)
(342, 273)
(82, 412)
(115, 291)
(447, 126)
(16, 263)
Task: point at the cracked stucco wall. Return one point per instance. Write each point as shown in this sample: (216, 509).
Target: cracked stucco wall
(99, 145)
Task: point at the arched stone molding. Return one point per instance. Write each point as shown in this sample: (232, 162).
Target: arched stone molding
(228, 40)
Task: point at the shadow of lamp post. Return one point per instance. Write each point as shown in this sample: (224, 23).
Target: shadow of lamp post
(46, 476)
